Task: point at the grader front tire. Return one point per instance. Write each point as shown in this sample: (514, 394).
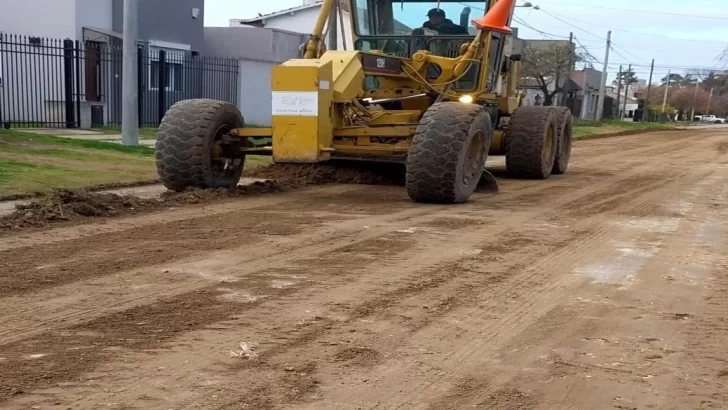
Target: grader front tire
(565, 123)
(187, 151)
(531, 142)
(448, 153)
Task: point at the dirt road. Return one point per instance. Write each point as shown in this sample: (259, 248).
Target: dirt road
(605, 288)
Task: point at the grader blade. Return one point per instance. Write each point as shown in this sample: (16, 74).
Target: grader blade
(487, 183)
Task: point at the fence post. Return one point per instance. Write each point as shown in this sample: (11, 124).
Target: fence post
(162, 107)
(78, 57)
(3, 124)
(68, 74)
(140, 83)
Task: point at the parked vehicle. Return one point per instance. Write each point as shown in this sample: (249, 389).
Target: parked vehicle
(710, 118)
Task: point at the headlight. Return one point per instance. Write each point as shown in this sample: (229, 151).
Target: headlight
(466, 99)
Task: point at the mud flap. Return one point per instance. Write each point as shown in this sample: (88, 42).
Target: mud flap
(487, 183)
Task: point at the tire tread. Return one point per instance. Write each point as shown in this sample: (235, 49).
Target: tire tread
(181, 143)
(432, 162)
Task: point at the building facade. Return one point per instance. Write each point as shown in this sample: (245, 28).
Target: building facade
(301, 20)
(61, 60)
(588, 81)
(258, 50)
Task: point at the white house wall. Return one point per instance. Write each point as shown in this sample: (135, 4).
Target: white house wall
(39, 18)
(255, 92)
(93, 13)
(54, 18)
(302, 21)
(32, 77)
(259, 50)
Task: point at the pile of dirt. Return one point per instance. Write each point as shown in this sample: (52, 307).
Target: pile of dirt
(71, 205)
(197, 196)
(66, 205)
(297, 175)
(90, 188)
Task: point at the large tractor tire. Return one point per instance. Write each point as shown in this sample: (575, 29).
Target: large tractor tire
(565, 124)
(531, 142)
(189, 152)
(448, 153)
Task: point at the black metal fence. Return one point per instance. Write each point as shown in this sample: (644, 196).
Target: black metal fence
(55, 83)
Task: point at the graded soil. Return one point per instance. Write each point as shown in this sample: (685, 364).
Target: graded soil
(604, 288)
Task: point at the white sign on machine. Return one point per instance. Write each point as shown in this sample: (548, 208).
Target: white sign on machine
(295, 103)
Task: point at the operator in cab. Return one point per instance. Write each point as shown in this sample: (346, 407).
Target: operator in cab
(439, 23)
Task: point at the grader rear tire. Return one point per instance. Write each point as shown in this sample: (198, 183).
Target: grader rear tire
(186, 141)
(448, 153)
(531, 142)
(565, 123)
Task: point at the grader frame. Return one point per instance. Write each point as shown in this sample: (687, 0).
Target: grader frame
(324, 107)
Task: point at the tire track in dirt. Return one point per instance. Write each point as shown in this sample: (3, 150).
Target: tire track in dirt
(21, 319)
(516, 195)
(416, 290)
(497, 380)
(643, 205)
(119, 252)
(387, 300)
(657, 358)
(588, 243)
(34, 238)
(535, 306)
(222, 264)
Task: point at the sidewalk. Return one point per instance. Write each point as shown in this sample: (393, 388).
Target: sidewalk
(87, 135)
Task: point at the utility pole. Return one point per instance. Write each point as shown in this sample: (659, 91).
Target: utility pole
(695, 99)
(619, 93)
(565, 91)
(130, 86)
(710, 98)
(333, 29)
(646, 108)
(603, 84)
(626, 93)
(667, 87)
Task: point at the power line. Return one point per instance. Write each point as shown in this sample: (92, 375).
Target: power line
(591, 34)
(588, 53)
(566, 22)
(570, 4)
(678, 67)
(520, 21)
(626, 51)
(633, 32)
(619, 54)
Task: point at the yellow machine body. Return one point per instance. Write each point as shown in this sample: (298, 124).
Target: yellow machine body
(438, 98)
(321, 108)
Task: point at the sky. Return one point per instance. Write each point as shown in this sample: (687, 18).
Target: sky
(676, 33)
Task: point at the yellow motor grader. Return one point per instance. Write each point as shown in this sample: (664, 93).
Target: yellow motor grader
(417, 88)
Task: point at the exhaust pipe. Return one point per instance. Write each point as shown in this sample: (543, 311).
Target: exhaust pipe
(465, 17)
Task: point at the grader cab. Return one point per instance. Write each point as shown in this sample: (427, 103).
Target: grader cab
(418, 88)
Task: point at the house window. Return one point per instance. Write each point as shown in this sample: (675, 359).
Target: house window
(593, 103)
(173, 76)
